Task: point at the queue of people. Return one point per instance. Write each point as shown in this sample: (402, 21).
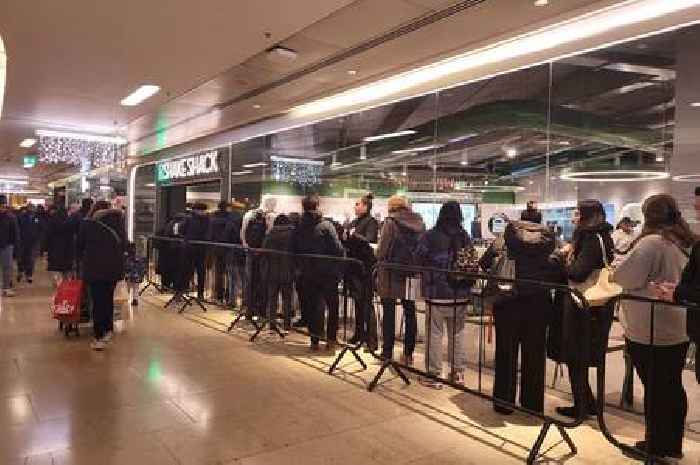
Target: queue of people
(530, 320)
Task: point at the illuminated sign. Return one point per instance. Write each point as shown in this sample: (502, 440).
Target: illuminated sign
(29, 161)
(189, 167)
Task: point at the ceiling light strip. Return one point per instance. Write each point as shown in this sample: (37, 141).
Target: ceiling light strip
(593, 24)
(391, 135)
(141, 94)
(80, 136)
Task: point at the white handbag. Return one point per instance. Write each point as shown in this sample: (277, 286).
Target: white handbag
(598, 289)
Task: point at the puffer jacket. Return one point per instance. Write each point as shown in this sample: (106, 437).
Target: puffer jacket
(436, 249)
(101, 246)
(390, 284)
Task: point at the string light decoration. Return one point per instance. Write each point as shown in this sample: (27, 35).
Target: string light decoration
(83, 152)
(297, 171)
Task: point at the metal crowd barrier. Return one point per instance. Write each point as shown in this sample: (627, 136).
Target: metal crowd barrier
(183, 291)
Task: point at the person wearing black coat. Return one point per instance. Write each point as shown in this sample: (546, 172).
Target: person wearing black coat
(359, 235)
(217, 232)
(521, 321)
(278, 269)
(30, 232)
(101, 248)
(60, 246)
(9, 240)
(317, 276)
(196, 228)
(580, 339)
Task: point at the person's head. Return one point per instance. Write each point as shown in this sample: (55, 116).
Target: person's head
(98, 206)
(697, 203)
(662, 216)
(310, 203)
(531, 213)
(199, 207)
(450, 216)
(269, 204)
(626, 224)
(397, 203)
(363, 206)
(3, 202)
(86, 204)
(282, 220)
(223, 206)
(589, 213)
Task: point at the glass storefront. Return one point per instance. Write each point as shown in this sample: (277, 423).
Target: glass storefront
(603, 124)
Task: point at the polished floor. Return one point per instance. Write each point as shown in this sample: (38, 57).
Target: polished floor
(177, 389)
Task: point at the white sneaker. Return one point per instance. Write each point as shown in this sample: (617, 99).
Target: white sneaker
(98, 344)
(8, 293)
(107, 338)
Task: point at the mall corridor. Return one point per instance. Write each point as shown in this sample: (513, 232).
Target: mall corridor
(171, 390)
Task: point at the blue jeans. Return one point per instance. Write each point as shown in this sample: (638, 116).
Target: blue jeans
(6, 265)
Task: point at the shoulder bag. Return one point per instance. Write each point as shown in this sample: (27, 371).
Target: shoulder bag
(598, 289)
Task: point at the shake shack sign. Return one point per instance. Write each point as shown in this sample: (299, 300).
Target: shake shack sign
(202, 165)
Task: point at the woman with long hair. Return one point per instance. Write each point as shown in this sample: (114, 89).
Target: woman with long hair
(585, 335)
(658, 255)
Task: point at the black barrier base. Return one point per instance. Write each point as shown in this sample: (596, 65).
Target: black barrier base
(261, 327)
(540, 440)
(189, 301)
(149, 284)
(353, 350)
(388, 364)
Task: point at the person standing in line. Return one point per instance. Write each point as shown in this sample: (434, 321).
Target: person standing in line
(75, 221)
(43, 224)
(584, 336)
(9, 240)
(235, 257)
(658, 255)
(196, 228)
(30, 232)
(529, 244)
(447, 303)
(360, 234)
(217, 231)
(317, 276)
(278, 269)
(257, 223)
(397, 243)
(59, 244)
(101, 250)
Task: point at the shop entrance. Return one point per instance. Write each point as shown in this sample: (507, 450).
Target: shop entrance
(175, 198)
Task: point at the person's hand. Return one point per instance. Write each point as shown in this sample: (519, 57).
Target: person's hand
(663, 290)
(566, 249)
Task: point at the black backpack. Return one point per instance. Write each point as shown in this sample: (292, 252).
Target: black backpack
(256, 230)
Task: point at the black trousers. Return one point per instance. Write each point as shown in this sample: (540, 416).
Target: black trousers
(25, 260)
(365, 315)
(317, 295)
(220, 276)
(102, 295)
(389, 327)
(521, 325)
(195, 263)
(275, 289)
(665, 403)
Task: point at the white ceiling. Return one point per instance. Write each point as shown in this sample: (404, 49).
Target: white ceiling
(71, 62)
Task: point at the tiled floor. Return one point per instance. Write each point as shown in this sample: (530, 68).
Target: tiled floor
(178, 390)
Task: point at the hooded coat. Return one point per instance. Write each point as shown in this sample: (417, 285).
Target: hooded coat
(390, 284)
(101, 246)
(437, 249)
(60, 245)
(317, 236)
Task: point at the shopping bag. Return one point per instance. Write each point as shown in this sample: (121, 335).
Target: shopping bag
(67, 301)
(597, 289)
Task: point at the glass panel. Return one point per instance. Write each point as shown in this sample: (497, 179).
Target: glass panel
(144, 201)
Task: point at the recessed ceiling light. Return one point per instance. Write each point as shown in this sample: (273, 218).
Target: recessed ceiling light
(464, 162)
(241, 173)
(659, 158)
(255, 165)
(352, 72)
(531, 182)
(541, 2)
(407, 132)
(139, 95)
(418, 149)
(26, 143)
(257, 107)
(511, 152)
(695, 104)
